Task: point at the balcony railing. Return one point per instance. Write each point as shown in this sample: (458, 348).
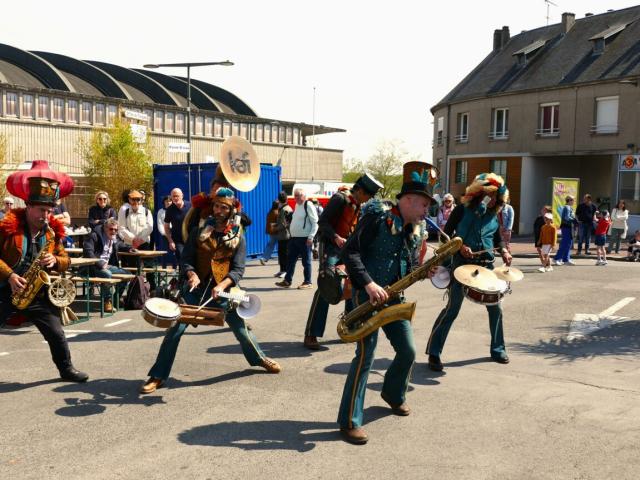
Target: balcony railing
(462, 138)
(548, 132)
(499, 135)
(603, 129)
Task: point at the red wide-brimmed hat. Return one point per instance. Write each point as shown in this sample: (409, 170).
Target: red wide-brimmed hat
(39, 184)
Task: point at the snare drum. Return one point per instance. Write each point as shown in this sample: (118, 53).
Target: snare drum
(161, 312)
(492, 296)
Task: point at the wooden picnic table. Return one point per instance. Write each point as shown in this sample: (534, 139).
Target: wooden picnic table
(141, 255)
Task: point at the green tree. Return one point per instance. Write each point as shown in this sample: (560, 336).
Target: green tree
(114, 162)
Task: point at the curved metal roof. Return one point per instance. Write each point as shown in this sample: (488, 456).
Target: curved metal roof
(38, 69)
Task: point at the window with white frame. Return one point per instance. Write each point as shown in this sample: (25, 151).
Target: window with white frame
(461, 171)
(217, 127)
(235, 128)
(499, 167)
(168, 126)
(27, 106)
(259, 133)
(58, 110)
(208, 126)
(12, 104)
(296, 136)
(282, 134)
(85, 112)
(549, 125)
(199, 125)
(193, 124)
(243, 130)
(499, 123)
(440, 130)
(158, 120)
(43, 108)
(226, 128)
(606, 115)
(100, 114)
(463, 128)
(112, 112)
(289, 135)
(72, 111)
(179, 122)
(149, 113)
(267, 133)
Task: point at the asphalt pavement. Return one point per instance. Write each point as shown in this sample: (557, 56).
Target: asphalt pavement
(566, 407)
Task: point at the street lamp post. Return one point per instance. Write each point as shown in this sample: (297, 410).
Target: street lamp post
(226, 63)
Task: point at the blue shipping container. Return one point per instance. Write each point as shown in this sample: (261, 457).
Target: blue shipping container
(195, 178)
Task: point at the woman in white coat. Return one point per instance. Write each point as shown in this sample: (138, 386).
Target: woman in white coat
(619, 226)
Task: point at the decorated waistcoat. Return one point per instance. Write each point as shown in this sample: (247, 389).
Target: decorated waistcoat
(388, 257)
(477, 231)
(346, 222)
(14, 244)
(214, 253)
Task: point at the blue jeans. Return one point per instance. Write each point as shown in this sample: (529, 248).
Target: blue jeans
(396, 379)
(167, 354)
(566, 243)
(268, 249)
(298, 247)
(616, 238)
(105, 290)
(445, 320)
(584, 236)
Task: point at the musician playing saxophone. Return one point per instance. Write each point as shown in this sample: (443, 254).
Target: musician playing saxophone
(475, 220)
(213, 260)
(381, 250)
(29, 235)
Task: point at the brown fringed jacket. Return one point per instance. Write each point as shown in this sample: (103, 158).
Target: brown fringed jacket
(12, 242)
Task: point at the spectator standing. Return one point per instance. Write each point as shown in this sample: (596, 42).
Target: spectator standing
(448, 204)
(537, 226)
(173, 222)
(304, 225)
(506, 218)
(103, 243)
(285, 214)
(567, 220)
(7, 206)
(602, 226)
(272, 218)
(101, 211)
(135, 224)
(162, 241)
(125, 201)
(619, 226)
(585, 216)
(548, 238)
(316, 240)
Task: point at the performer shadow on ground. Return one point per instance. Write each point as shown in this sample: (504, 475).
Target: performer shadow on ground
(620, 339)
(380, 365)
(104, 392)
(10, 387)
(271, 349)
(115, 336)
(299, 436)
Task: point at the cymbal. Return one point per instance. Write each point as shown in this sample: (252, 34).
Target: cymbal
(478, 277)
(509, 274)
(239, 163)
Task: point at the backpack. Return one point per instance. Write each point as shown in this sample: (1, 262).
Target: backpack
(138, 292)
(306, 213)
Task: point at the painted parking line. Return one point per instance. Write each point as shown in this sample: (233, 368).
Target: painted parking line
(76, 331)
(119, 322)
(4, 354)
(584, 324)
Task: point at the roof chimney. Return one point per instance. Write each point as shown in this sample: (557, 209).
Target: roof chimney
(568, 20)
(505, 36)
(588, 14)
(497, 40)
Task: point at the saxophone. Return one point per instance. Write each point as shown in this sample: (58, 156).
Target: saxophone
(359, 322)
(35, 276)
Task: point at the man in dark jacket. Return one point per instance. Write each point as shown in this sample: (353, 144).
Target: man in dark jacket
(104, 243)
(584, 214)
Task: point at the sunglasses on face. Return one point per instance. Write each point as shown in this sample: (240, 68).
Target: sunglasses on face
(8, 203)
(102, 199)
(135, 200)
(113, 229)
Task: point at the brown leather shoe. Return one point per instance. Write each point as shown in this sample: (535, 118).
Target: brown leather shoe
(151, 385)
(311, 342)
(271, 366)
(356, 436)
(401, 410)
(108, 306)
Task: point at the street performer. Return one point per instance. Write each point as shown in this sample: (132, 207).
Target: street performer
(337, 222)
(213, 261)
(30, 240)
(384, 248)
(475, 220)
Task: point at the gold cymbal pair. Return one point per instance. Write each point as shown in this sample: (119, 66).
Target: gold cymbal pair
(484, 279)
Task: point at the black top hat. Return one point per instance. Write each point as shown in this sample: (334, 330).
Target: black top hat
(419, 178)
(369, 184)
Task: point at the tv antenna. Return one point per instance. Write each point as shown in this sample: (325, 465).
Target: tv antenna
(549, 2)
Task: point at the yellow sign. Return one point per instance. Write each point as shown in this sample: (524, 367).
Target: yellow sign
(561, 187)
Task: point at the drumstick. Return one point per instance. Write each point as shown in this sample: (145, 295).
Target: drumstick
(203, 305)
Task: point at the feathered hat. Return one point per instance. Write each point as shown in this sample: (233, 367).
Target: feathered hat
(419, 178)
(486, 183)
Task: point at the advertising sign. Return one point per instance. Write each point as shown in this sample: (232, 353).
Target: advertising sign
(629, 163)
(560, 188)
(139, 132)
(179, 148)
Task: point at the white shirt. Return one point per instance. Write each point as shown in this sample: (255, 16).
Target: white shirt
(298, 228)
(136, 224)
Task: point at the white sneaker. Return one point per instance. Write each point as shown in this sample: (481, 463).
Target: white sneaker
(542, 270)
(559, 263)
(604, 262)
(598, 262)
(549, 269)
(279, 274)
(570, 262)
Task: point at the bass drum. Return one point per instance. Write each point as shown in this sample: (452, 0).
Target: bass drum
(161, 312)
